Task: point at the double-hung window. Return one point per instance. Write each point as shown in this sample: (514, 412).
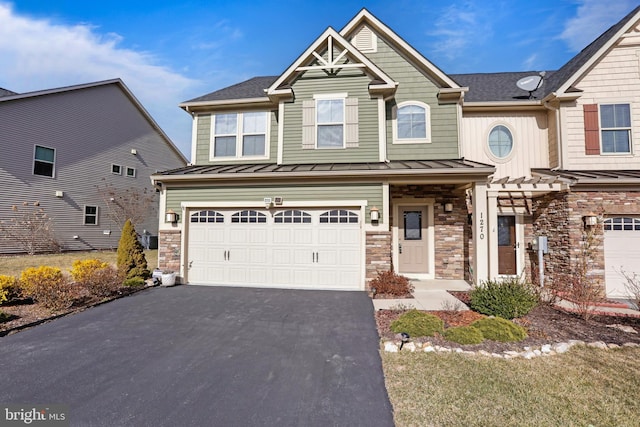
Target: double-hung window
(44, 161)
(90, 215)
(330, 123)
(239, 135)
(615, 128)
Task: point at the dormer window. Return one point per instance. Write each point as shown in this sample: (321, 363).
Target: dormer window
(239, 135)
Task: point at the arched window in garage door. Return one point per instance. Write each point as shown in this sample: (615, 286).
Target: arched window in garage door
(339, 216)
(249, 216)
(292, 216)
(622, 224)
(207, 216)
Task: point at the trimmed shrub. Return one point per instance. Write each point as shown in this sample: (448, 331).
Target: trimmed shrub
(464, 335)
(133, 282)
(131, 259)
(48, 286)
(418, 324)
(499, 329)
(103, 282)
(390, 283)
(8, 288)
(83, 270)
(507, 298)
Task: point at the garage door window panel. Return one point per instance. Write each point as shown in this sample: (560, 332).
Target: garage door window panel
(292, 217)
(338, 216)
(622, 224)
(249, 216)
(207, 216)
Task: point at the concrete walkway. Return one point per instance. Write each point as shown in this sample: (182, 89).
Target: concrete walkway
(429, 295)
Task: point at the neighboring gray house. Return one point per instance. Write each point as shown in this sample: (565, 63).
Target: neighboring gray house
(59, 144)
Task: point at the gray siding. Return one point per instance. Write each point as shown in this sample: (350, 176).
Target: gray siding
(256, 193)
(203, 140)
(90, 129)
(415, 86)
(356, 86)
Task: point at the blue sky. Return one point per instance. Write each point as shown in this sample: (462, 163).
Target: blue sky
(167, 52)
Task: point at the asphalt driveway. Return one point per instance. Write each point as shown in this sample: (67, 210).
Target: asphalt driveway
(206, 356)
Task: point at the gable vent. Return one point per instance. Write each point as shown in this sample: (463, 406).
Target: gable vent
(365, 40)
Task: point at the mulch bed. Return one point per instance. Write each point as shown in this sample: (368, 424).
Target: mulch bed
(544, 324)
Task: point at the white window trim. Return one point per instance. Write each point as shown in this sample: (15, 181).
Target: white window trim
(328, 97)
(116, 173)
(427, 123)
(239, 140)
(628, 129)
(128, 168)
(84, 215)
(33, 163)
(487, 149)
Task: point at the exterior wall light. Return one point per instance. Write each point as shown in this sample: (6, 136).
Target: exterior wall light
(590, 220)
(59, 194)
(375, 214)
(171, 216)
(448, 207)
(134, 151)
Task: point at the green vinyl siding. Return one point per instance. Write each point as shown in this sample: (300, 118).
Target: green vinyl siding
(315, 83)
(415, 86)
(256, 193)
(203, 141)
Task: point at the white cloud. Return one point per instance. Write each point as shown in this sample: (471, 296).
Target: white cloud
(458, 27)
(40, 54)
(593, 18)
(531, 62)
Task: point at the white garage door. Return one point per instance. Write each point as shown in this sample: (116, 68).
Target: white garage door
(621, 252)
(306, 248)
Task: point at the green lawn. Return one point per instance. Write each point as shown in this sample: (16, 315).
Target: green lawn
(584, 387)
(13, 265)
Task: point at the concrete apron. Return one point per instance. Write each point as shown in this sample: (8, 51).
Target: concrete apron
(428, 295)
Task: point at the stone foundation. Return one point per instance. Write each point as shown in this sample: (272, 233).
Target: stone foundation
(378, 254)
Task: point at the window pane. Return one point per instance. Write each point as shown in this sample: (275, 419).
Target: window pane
(225, 146)
(330, 136)
(45, 169)
(412, 122)
(622, 115)
(500, 141)
(254, 122)
(413, 225)
(253, 145)
(45, 154)
(615, 141)
(226, 124)
(607, 116)
(330, 110)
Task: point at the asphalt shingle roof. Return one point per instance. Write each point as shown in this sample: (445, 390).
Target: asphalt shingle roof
(498, 86)
(252, 88)
(6, 92)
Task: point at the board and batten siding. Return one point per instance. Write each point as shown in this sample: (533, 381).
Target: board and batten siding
(90, 129)
(530, 141)
(314, 83)
(203, 140)
(415, 86)
(613, 79)
(373, 193)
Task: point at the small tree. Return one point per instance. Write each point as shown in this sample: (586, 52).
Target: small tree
(132, 203)
(131, 260)
(632, 285)
(31, 229)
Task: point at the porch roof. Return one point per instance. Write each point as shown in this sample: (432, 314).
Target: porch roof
(459, 168)
(593, 178)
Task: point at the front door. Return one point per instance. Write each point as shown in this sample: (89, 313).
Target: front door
(507, 245)
(412, 240)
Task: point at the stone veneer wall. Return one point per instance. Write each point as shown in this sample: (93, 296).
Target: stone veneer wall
(451, 229)
(378, 254)
(560, 217)
(169, 250)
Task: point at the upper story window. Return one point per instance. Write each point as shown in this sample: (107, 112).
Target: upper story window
(615, 122)
(90, 215)
(237, 135)
(44, 161)
(330, 123)
(116, 169)
(412, 123)
(500, 142)
(131, 172)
